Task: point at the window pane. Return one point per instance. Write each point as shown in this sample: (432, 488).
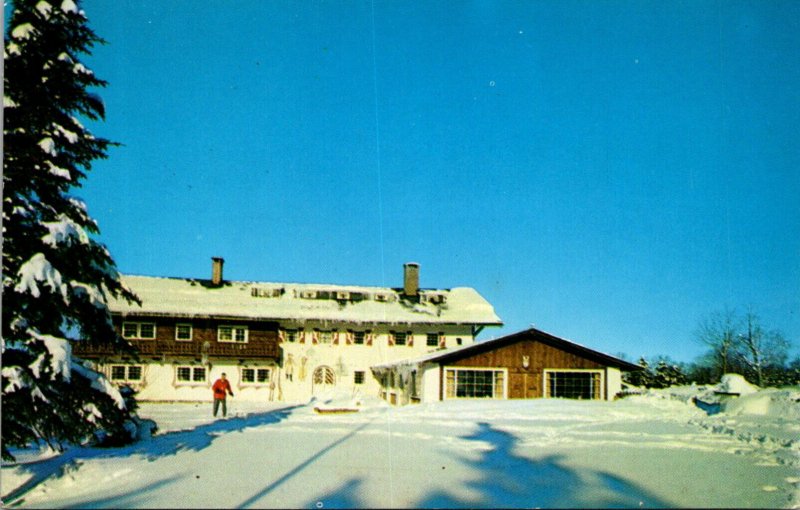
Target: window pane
(118, 373)
(399, 338)
(498, 384)
(263, 375)
(147, 330)
(475, 384)
(358, 377)
(130, 329)
(248, 375)
(225, 333)
(199, 374)
(358, 337)
(134, 373)
(451, 383)
(240, 334)
(183, 332)
(578, 385)
(291, 335)
(184, 374)
(433, 340)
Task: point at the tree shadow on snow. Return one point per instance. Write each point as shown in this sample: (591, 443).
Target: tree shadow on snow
(158, 446)
(344, 497)
(129, 500)
(509, 480)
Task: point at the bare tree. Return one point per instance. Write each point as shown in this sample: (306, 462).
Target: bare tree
(759, 348)
(719, 331)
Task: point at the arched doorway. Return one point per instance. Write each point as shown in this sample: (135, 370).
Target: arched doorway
(324, 378)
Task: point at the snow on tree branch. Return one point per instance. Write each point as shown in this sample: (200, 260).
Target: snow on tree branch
(59, 352)
(38, 269)
(100, 383)
(64, 231)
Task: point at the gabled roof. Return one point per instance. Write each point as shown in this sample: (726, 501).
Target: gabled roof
(180, 297)
(457, 353)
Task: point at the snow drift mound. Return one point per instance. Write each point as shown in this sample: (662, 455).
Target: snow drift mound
(735, 383)
(776, 403)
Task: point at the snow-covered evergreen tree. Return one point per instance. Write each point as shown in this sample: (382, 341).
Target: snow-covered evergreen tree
(668, 373)
(56, 276)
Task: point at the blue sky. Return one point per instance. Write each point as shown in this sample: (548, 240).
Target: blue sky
(608, 171)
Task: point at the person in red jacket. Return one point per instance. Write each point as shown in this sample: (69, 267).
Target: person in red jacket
(221, 388)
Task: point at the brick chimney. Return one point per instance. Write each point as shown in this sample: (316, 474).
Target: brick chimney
(411, 279)
(216, 270)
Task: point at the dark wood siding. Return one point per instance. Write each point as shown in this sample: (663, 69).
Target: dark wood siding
(527, 383)
(262, 339)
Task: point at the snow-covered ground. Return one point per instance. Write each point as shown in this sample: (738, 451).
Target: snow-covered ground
(650, 450)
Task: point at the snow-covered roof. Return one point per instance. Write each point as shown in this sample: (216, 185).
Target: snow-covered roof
(182, 297)
(444, 355)
(421, 360)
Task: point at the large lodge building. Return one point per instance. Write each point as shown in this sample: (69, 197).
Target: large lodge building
(289, 342)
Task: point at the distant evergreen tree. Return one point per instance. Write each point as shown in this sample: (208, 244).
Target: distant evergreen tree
(668, 373)
(56, 277)
(665, 374)
(640, 378)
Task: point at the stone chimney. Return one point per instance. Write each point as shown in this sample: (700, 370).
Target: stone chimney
(411, 279)
(216, 270)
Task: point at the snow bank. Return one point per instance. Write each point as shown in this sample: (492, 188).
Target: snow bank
(636, 452)
(735, 383)
(337, 401)
(776, 403)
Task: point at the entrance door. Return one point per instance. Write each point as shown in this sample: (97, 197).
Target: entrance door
(323, 379)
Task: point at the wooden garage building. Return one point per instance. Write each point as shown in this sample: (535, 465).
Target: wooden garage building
(528, 364)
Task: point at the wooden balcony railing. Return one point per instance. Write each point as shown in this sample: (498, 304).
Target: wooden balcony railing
(193, 349)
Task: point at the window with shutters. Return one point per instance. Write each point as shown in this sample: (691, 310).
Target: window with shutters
(432, 340)
(325, 337)
(399, 337)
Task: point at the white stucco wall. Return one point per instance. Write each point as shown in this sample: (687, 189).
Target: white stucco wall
(345, 359)
(159, 381)
(430, 382)
(293, 381)
(614, 381)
